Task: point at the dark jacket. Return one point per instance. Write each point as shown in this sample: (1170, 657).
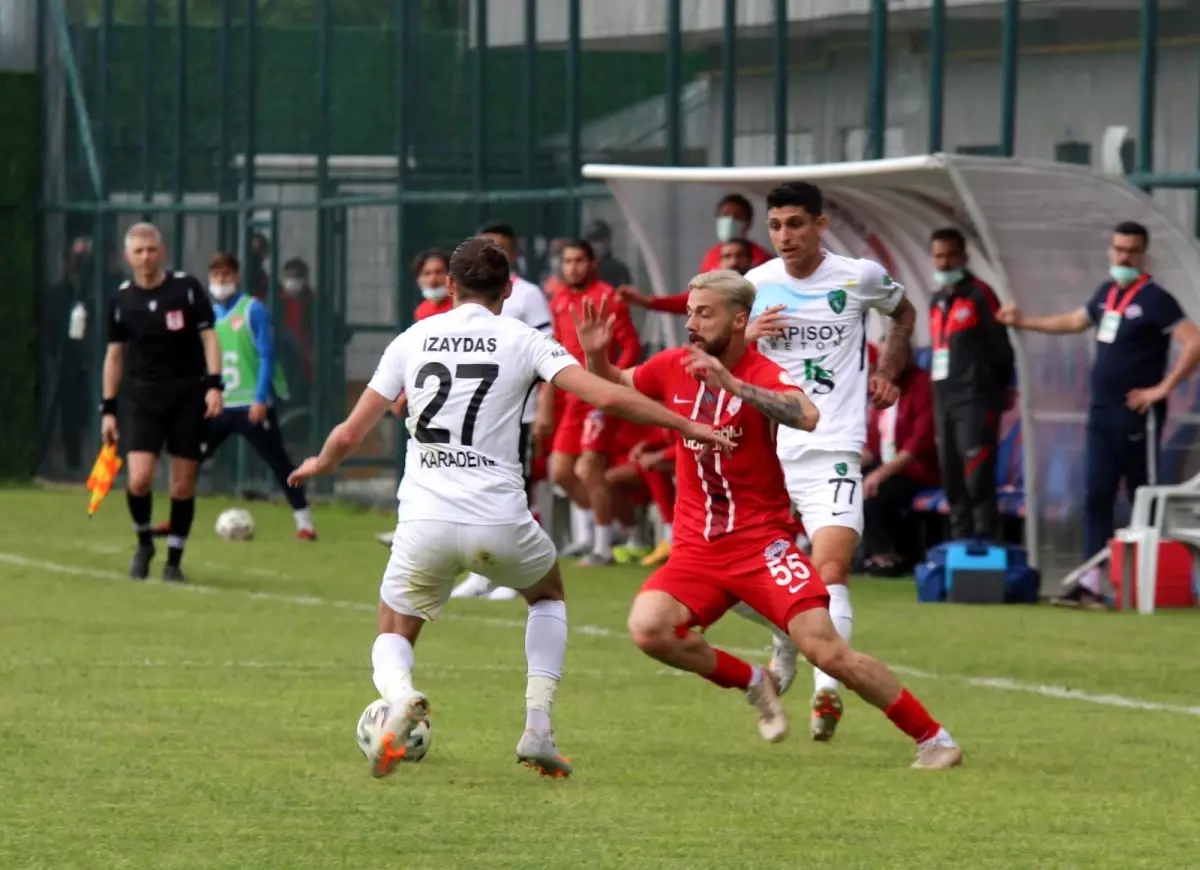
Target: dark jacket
(963, 318)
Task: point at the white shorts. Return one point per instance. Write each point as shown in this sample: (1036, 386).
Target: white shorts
(429, 555)
(825, 487)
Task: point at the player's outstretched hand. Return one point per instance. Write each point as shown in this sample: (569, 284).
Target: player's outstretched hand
(631, 295)
(214, 403)
(593, 327)
(708, 437)
(708, 368)
(1009, 315)
(307, 469)
(883, 392)
(769, 324)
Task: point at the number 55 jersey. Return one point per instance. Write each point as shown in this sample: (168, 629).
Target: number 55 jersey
(467, 374)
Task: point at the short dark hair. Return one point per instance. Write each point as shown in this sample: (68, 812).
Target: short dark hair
(1133, 228)
(743, 243)
(424, 257)
(799, 194)
(498, 228)
(738, 200)
(223, 261)
(480, 268)
(583, 245)
(949, 234)
(597, 231)
(295, 264)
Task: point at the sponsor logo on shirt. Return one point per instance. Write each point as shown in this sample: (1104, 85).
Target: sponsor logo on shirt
(811, 337)
(733, 433)
(776, 549)
(837, 300)
(174, 320)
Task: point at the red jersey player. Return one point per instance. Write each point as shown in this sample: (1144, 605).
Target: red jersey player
(584, 438)
(733, 527)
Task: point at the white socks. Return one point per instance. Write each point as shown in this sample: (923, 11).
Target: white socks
(392, 656)
(303, 518)
(668, 532)
(604, 538)
(581, 525)
(545, 649)
(842, 615)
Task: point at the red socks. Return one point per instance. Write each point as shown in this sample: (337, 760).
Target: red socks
(662, 490)
(731, 672)
(911, 717)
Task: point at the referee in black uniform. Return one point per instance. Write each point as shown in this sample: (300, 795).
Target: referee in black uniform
(160, 333)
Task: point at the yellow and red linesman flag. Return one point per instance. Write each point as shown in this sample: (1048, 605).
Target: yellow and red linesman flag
(104, 472)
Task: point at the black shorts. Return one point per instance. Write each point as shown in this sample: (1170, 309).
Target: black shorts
(169, 415)
(525, 455)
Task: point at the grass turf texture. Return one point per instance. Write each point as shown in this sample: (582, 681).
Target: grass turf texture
(151, 726)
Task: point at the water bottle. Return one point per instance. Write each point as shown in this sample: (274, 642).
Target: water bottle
(78, 323)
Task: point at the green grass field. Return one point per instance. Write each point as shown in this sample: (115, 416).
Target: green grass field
(146, 726)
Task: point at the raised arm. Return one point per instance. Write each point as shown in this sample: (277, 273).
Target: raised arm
(595, 331)
(1067, 323)
(778, 399)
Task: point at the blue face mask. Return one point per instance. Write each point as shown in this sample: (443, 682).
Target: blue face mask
(947, 278)
(1124, 275)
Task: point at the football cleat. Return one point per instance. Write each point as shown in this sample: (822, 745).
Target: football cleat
(139, 567)
(539, 752)
(772, 719)
(940, 753)
(826, 713)
(783, 662)
(657, 556)
(393, 735)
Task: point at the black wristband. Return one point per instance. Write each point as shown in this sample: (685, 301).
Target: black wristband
(108, 407)
(214, 382)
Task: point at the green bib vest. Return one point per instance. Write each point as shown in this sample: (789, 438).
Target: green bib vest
(239, 357)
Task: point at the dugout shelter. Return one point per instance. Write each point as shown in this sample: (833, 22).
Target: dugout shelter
(1037, 232)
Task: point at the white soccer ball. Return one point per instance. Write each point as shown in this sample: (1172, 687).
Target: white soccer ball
(371, 722)
(235, 524)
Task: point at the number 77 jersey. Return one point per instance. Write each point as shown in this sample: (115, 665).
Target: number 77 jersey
(467, 374)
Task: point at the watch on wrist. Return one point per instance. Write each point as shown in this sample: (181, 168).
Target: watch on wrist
(108, 407)
(214, 382)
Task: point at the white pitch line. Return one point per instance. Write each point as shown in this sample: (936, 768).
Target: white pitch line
(1000, 683)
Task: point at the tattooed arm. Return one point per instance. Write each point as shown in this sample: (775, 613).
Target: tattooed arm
(791, 408)
(897, 349)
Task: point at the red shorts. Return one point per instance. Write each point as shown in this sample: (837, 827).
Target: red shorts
(765, 570)
(576, 432)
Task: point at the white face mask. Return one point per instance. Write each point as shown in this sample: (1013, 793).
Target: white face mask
(221, 292)
(729, 228)
(434, 294)
(292, 286)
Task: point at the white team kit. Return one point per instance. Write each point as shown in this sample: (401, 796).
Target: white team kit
(825, 351)
(527, 303)
(468, 374)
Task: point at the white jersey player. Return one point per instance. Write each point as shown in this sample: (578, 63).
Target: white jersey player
(462, 501)
(812, 307)
(527, 303)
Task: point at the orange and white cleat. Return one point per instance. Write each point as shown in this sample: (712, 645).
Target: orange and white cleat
(390, 746)
(657, 556)
(306, 535)
(826, 713)
(539, 752)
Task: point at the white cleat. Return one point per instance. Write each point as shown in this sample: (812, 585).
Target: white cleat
(539, 752)
(391, 745)
(826, 713)
(503, 593)
(940, 753)
(772, 719)
(475, 586)
(783, 662)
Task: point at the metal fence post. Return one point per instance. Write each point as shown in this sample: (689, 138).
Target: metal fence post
(1008, 77)
(574, 113)
(780, 82)
(729, 83)
(1149, 77)
(529, 125)
(402, 112)
(479, 105)
(226, 224)
(179, 179)
(937, 74)
(674, 82)
(877, 87)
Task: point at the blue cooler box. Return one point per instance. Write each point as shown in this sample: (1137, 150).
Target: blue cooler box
(977, 572)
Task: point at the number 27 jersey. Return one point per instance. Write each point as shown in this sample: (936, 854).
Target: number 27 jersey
(467, 374)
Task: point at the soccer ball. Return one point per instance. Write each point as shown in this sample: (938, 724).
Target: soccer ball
(371, 721)
(235, 524)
